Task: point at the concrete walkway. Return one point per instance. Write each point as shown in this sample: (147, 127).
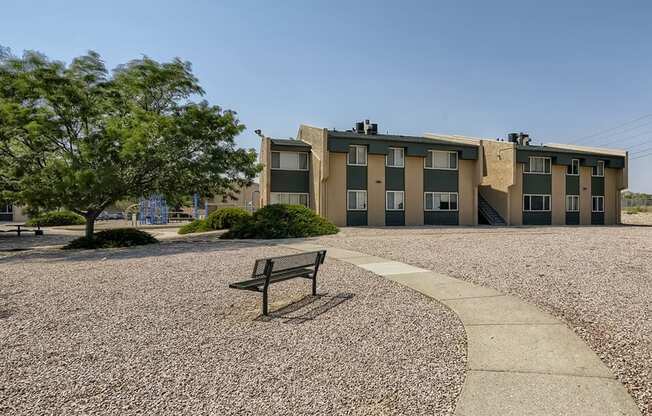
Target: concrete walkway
(521, 361)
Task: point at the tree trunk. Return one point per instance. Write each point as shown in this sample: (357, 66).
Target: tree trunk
(90, 225)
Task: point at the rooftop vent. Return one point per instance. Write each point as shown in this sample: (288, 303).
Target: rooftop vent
(365, 127)
(521, 138)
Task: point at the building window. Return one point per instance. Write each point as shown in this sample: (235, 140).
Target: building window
(394, 200)
(440, 201)
(289, 198)
(598, 170)
(357, 155)
(6, 208)
(574, 168)
(536, 202)
(572, 203)
(289, 160)
(356, 200)
(598, 204)
(395, 157)
(441, 160)
(539, 165)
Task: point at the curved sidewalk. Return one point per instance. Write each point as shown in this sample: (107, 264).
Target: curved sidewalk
(521, 361)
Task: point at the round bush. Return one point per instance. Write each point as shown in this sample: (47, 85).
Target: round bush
(226, 218)
(197, 226)
(119, 237)
(282, 221)
(54, 218)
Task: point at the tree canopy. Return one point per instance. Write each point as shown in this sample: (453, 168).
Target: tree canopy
(80, 137)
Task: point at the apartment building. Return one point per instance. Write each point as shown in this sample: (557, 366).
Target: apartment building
(10, 213)
(361, 178)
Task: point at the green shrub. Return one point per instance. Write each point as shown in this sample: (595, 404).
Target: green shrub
(282, 221)
(226, 218)
(54, 218)
(197, 226)
(118, 237)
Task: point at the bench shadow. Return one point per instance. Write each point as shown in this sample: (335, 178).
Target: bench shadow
(315, 305)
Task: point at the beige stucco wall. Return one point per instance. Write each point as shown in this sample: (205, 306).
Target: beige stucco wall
(467, 183)
(244, 196)
(611, 196)
(319, 165)
(335, 190)
(413, 190)
(585, 195)
(498, 175)
(558, 197)
(265, 160)
(516, 197)
(376, 190)
(20, 214)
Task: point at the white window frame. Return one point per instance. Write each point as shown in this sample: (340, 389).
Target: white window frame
(569, 206)
(597, 170)
(597, 197)
(457, 199)
(272, 194)
(572, 165)
(366, 155)
(528, 166)
(544, 204)
(298, 165)
(402, 200)
(361, 191)
(431, 157)
(394, 150)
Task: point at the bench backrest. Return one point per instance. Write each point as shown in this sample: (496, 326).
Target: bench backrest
(289, 262)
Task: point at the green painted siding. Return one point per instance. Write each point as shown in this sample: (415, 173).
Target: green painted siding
(572, 185)
(597, 186)
(537, 184)
(356, 177)
(419, 147)
(394, 179)
(290, 181)
(572, 218)
(441, 218)
(439, 180)
(537, 218)
(356, 218)
(564, 158)
(394, 217)
(597, 218)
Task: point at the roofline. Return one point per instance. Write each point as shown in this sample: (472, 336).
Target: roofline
(586, 149)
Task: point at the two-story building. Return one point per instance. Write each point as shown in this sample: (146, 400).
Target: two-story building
(359, 177)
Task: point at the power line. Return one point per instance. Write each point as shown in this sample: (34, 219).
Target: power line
(641, 156)
(638, 144)
(601, 132)
(624, 139)
(642, 151)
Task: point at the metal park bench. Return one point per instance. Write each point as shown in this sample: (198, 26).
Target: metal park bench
(20, 228)
(277, 269)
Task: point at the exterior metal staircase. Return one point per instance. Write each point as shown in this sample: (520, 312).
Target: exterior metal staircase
(489, 213)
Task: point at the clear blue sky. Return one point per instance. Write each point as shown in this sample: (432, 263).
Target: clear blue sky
(559, 70)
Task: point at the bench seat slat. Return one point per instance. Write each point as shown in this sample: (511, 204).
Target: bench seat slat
(251, 284)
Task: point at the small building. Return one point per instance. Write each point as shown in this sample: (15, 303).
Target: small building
(359, 177)
(12, 213)
(247, 198)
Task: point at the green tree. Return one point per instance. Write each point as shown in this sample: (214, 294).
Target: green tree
(80, 137)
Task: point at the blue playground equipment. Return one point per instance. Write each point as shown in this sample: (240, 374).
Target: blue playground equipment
(195, 206)
(153, 210)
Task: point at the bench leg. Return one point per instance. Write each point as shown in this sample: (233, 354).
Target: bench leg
(314, 284)
(265, 302)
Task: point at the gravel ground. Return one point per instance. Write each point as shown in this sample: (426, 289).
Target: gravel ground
(597, 279)
(155, 330)
(642, 218)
